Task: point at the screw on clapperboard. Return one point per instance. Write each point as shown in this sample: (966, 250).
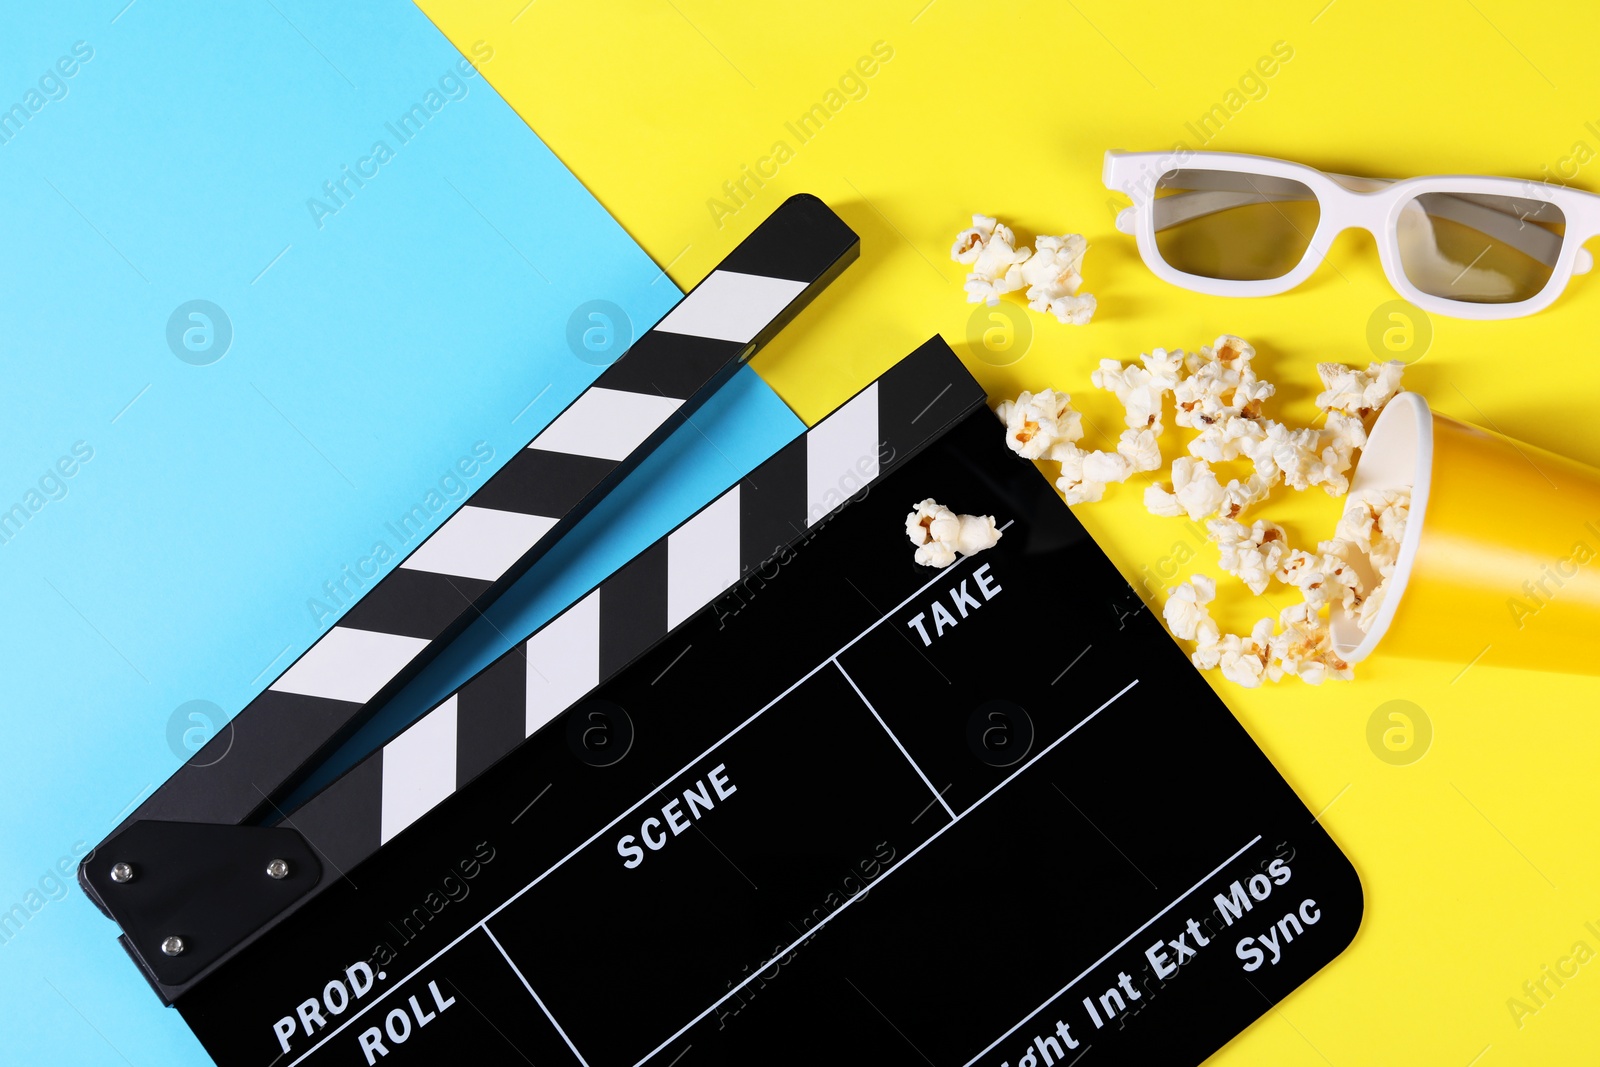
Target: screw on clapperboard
(123, 872)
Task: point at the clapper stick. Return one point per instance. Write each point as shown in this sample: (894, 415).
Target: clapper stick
(776, 505)
(498, 533)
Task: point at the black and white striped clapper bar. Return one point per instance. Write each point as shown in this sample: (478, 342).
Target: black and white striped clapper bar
(400, 624)
(699, 566)
(709, 563)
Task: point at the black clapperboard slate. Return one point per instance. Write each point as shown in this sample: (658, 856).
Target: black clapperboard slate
(853, 810)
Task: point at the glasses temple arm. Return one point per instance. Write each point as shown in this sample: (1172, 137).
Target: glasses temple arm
(1508, 227)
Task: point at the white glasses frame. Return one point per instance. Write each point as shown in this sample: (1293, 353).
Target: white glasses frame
(1371, 204)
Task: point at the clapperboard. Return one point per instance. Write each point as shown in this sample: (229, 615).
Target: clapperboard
(771, 793)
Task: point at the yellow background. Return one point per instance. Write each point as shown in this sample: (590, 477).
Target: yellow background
(1480, 860)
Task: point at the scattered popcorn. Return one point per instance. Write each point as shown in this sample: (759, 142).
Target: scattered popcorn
(1106, 467)
(1328, 469)
(1207, 654)
(1321, 577)
(1232, 437)
(1071, 310)
(1244, 660)
(1344, 432)
(1341, 436)
(1052, 272)
(1141, 448)
(1199, 406)
(1249, 553)
(989, 248)
(1052, 277)
(1304, 648)
(931, 551)
(1217, 393)
(1286, 453)
(1249, 394)
(1301, 459)
(1229, 348)
(1076, 486)
(1140, 391)
(1041, 425)
(935, 554)
(1196, 488)
(940, 533)
(1158, 501)
(1165, 367)
(1238, 496)
(1215, 374)
(1186, 612)
(1085, 475)
(1358, 392)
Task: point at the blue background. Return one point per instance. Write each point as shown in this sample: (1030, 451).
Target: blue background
(427, 314)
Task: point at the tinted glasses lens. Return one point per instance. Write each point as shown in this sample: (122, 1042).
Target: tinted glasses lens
(1479, 249)
(1233, 226)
